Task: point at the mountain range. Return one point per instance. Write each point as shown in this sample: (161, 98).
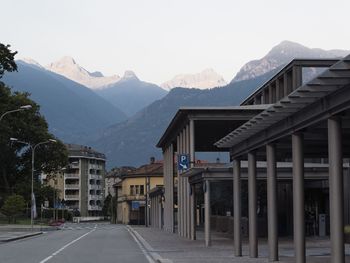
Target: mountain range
(281, 55)
(102, 116)
(132, 142)
(205, 79)
(67, 67)
(131, 94)
(72, 110)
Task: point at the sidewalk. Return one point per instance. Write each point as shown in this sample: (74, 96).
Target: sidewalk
(12, 236)
(14, 232)
(172, 248)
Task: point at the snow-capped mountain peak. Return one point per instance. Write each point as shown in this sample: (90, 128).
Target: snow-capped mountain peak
(68, 67)
(205, 79)
(66, 60)
(129, 74)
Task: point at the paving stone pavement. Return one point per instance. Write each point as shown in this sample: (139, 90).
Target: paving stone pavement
(173, 248)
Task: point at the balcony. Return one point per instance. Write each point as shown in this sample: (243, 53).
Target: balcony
(72, 186)
(95, 187)
(95, 166)
(71, 176)
(74, 165)
(93, 176)
(71, 197)
(95, 207)
(95, 197)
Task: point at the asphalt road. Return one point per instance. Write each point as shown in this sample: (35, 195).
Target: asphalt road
(84, 242)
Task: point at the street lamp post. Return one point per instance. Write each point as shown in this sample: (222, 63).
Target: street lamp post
(33, 147)
(24, 107)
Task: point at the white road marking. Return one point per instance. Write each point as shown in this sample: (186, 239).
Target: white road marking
(155, 256)
(145, 253)
(67, 245)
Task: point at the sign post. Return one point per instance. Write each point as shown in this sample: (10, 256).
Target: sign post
(183, 162)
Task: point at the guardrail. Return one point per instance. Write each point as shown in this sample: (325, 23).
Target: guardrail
(94, 207)
(71, 176)
(72, 197)
(71, 186)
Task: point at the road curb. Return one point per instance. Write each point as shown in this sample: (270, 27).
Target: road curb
(150, 250)
(21, 237)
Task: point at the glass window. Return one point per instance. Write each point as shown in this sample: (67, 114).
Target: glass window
(137, 189)
(142, 190)
(131, 189)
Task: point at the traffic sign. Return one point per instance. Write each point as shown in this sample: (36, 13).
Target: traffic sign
(135, 205)
(183, 162)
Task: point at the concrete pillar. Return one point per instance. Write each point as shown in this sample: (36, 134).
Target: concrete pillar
(182, 209)
(170, 190)
(179, 188)
(285, 85)
(207, 234)
(188, 197)
(192, 143)
(298, 197)
(155, 211)
(193, 212)
(192, 161)
(184, 187)
(252, 199)
(237, 207)
(270, 88)
(297, 77)
(336, 201)
(278, 95)
(178, 183)
(272, 202)
(160, 213)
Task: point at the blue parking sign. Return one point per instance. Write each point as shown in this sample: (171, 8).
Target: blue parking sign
(183, 162)
(135, 205)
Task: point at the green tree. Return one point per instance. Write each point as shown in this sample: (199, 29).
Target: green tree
(13, 206)
(106, 209)
(7, 59)
(29, 126)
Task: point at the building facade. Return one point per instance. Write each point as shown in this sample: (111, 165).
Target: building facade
(84, 180)
(132, 193)
(301, 127)
(113, 177)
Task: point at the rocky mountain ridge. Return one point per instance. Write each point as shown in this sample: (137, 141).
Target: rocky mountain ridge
(282, 54)
(205, 79)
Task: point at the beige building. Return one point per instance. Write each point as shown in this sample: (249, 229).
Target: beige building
(132, 193)
(113, 177)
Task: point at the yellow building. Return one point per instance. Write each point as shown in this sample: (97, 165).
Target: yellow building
(132, 193)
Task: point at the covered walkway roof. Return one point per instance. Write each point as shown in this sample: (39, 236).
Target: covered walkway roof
(328, 93)
(211, 124)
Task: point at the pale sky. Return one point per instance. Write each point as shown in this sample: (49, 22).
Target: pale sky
(161, 38)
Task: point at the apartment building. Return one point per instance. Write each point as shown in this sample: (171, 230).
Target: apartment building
(84, 180)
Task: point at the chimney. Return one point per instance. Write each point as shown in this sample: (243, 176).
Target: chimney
(152, 160)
